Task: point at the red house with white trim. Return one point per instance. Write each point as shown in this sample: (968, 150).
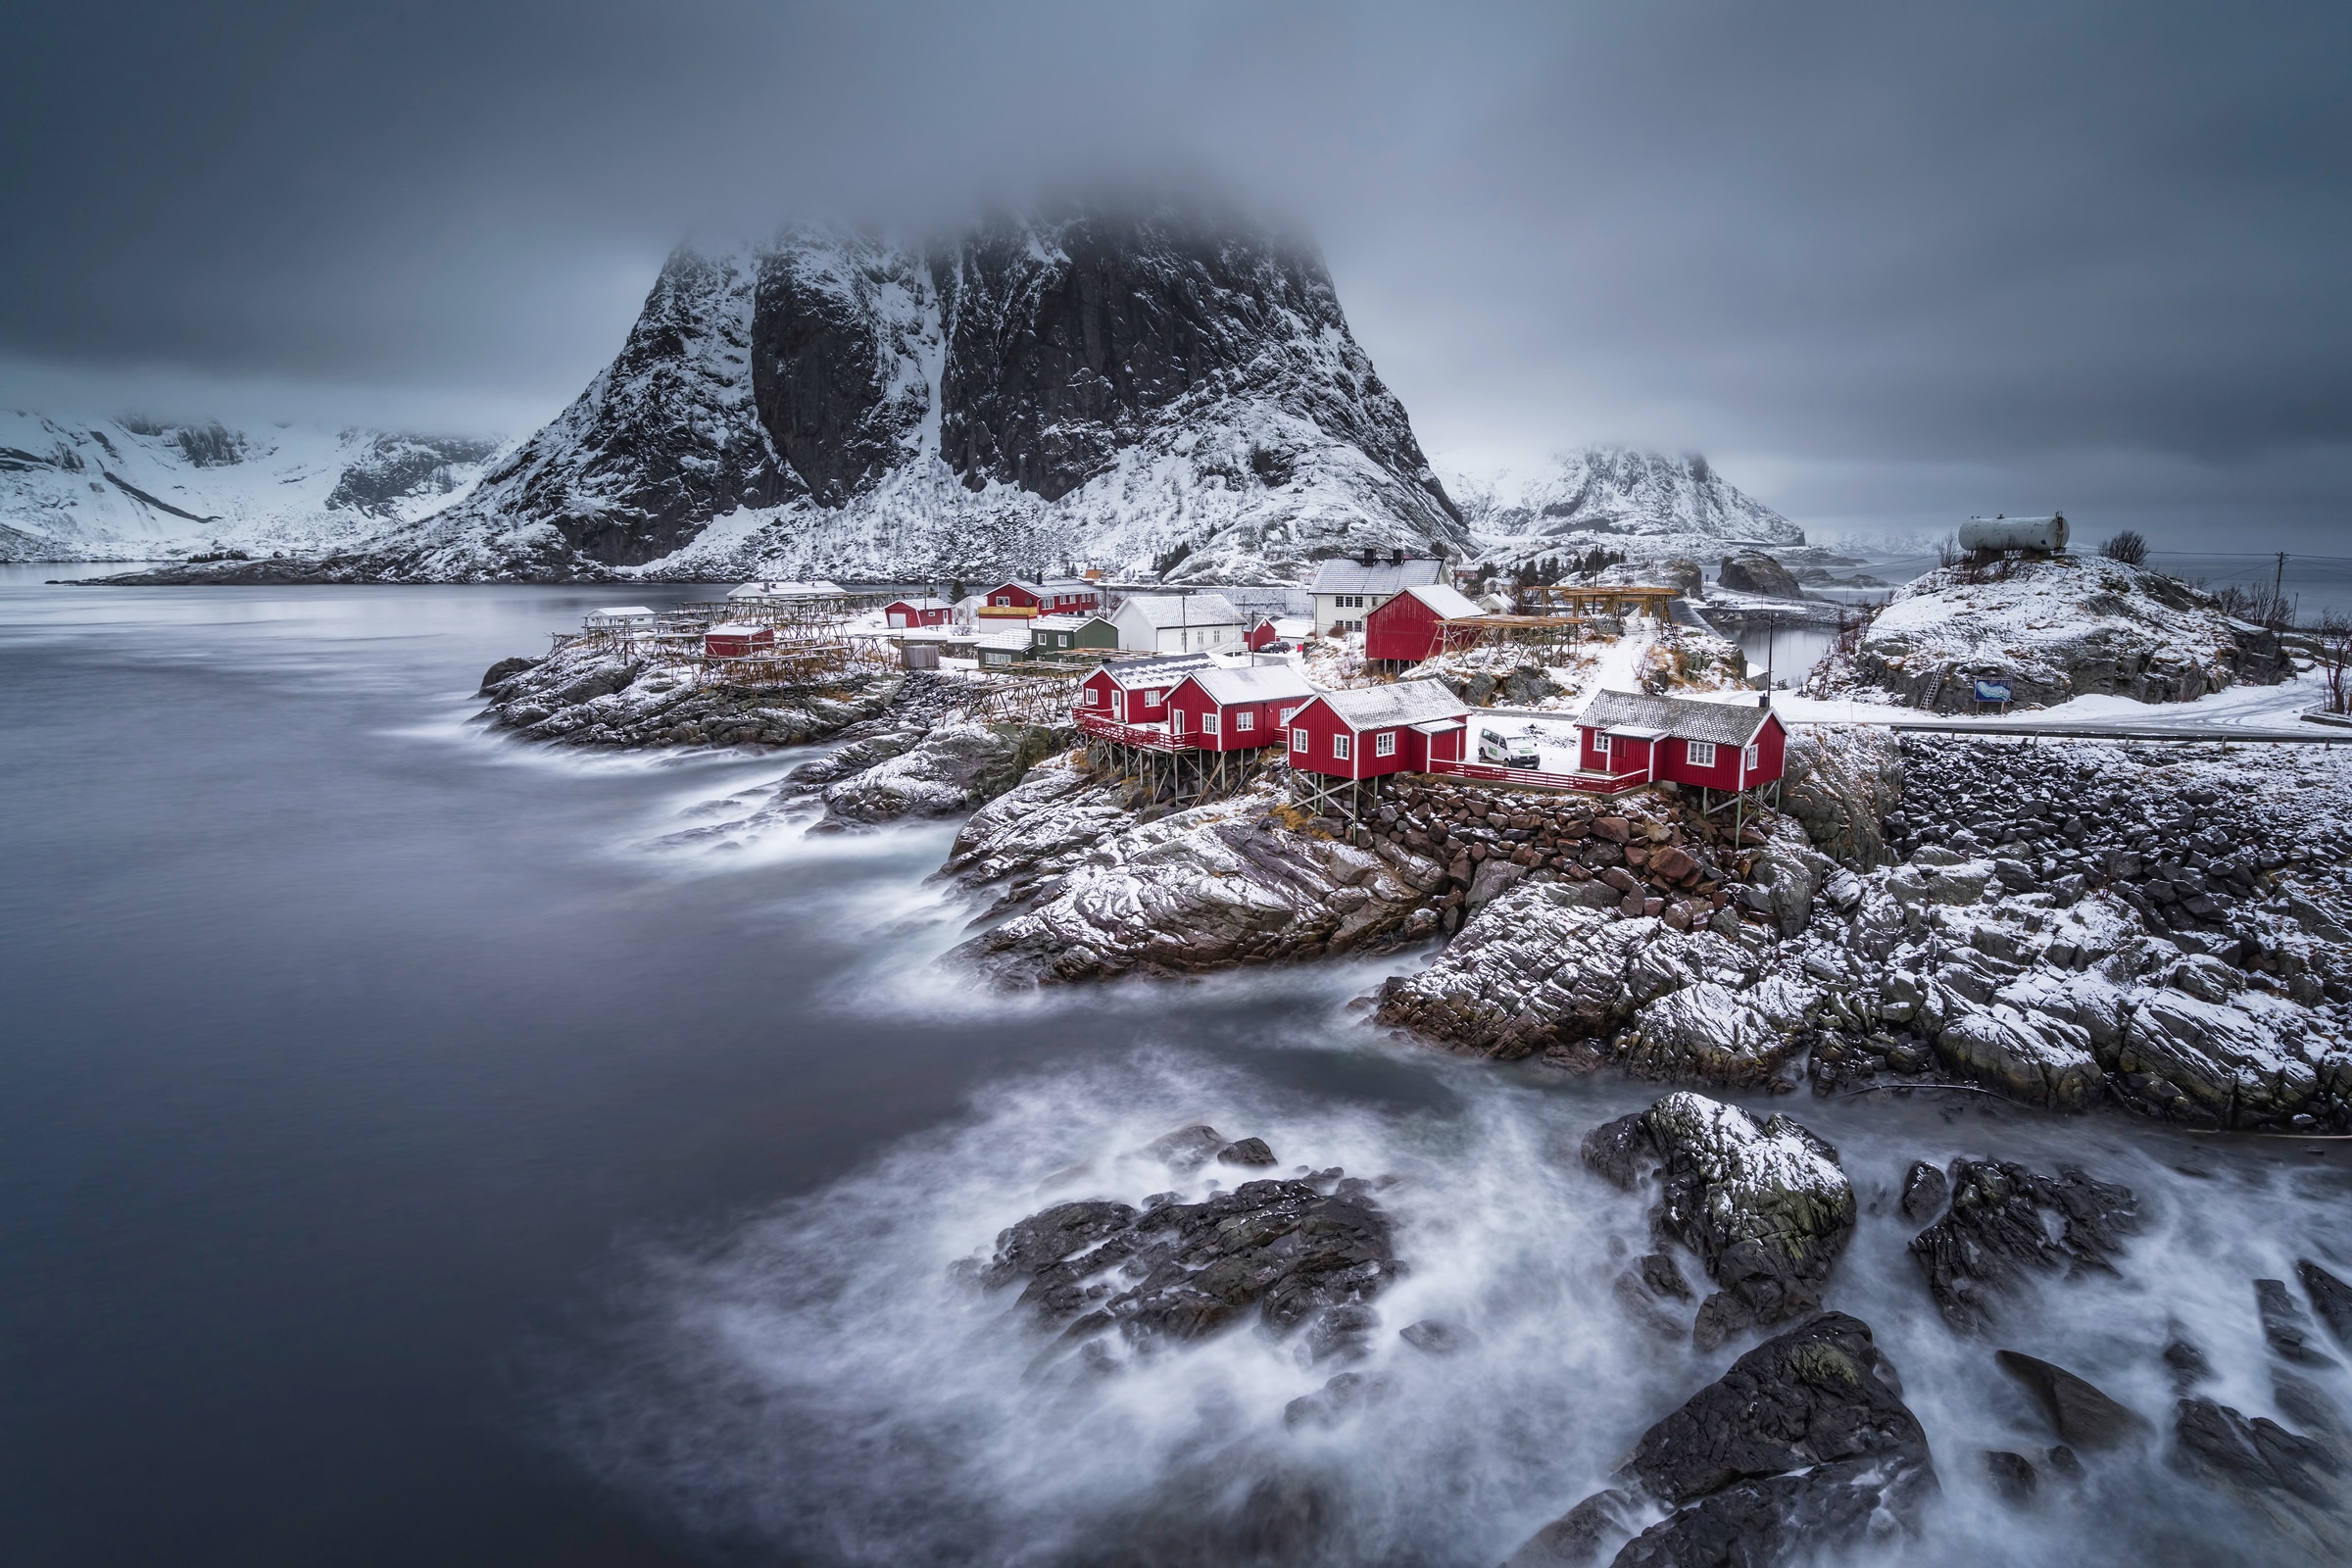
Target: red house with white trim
(1017, 600)
(1401, 728)
(1262, 632)
(924, 611)
(1422, 621)
(1716, 746)
(1216, 710)
(1133, 690)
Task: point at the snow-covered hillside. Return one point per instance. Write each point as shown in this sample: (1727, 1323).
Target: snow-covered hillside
(136, 489)
(1638, 502)
(1144, 393)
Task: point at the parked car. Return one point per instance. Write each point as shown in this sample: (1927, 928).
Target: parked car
(1508, 751)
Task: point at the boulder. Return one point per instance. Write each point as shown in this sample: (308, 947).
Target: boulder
(2284, 1327)
(2330, 1298)
(1803, 1447)
(2031, 1056)
(2006, 1221)
(2298, 1483)
(2080, 1414)
(1752, 571)
(1707, 1034)
(1767, 1208)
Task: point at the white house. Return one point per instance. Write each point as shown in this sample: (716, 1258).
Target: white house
(1349, 588)
(1178, 623)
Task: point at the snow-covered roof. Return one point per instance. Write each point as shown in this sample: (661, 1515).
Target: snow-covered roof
(1346, 576)
(927, 602)
(1252, 683)
(620, 613)
(1062, 622)
(1407, 702)
(1165, 670)
(1009, 641)
(737, 628)
(1024, 585)
(1683, 717)
(1447, 603)
(1183, 610)
(766, 589)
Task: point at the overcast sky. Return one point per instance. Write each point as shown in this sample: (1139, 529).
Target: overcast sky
(1888, 265)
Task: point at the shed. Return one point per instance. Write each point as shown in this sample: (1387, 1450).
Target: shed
(923, 612)
(1420, 622)
(1178, 623)
(1221, 709)
(1054, 634)
(1261, 635)
(1717, 746)
(734, 639)
(1347, 589)
(1367, 733)
(636, 617)
(1135, 691)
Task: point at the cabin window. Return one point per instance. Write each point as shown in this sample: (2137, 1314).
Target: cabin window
(1290, 713)
(1699, 753)
(1299, 743)
(1094, 697)
(1383, 744)
(1752, 758)
(1001, 600)
(1246, 719)
(1339, 747)
(1208, 723)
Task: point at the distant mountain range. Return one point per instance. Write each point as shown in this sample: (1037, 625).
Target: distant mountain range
(133, 489)
(1148, 391)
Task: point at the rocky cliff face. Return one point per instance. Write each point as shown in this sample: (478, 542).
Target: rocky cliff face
(1136, 390)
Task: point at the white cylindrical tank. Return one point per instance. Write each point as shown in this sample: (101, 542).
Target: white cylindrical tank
(2014, 533)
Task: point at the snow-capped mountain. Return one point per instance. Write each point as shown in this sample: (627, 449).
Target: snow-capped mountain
(1611, 495)
(135, 489)
(1134, 391)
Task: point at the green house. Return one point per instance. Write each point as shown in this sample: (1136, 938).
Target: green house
(1058, 634)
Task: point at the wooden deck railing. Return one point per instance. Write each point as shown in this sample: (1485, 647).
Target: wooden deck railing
(1151, 737)
(1584, 783)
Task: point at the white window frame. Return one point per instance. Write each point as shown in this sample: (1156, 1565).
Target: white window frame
(1175, 722)
(1245, 720)
(1301, 742)
(1001, 601)
(1383, 744)
(1093, 696)
(1209, 722)
(1338, 746)
(1699, 753)
(1752, 758)
(1290, 712)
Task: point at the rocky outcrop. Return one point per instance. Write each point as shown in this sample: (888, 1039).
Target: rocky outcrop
(1767, 1208)
(1617, 498)
(1296, 1255)
(583, 696)
(1752, 571)
(2073, 626)
(2081, 1416)
(1841, 782)
(2006, 1222)
(1803, 1447)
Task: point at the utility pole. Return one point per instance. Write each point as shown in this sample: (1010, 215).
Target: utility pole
(2279, 586)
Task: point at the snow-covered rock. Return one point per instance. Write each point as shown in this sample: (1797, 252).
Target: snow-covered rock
(585, 696)
(1635, 502)
(1839, 782)
(2070, 626)
(135, 489)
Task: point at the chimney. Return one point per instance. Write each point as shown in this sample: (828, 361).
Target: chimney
(1765, 701)
(1396, 557)
(1370, 557)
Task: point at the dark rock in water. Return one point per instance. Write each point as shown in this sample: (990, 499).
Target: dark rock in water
(2187, 1361)
(1576, 1537)
(1767, 1208)
(1804, 1446)
(2005, 1219)
(1330, 1403)
(1188, 1148)
(1925, 1193)
(2284, 1325)
(1435, 1337)
(2330, 1298)
(2082, 1414)
(2308, 1406)
(2064, 1465)
(2014, 1478)
(1285, 1249)
(1246, 1151)
(503, 669)
(1752, 571)
(2296, 1482)
(1621, 1151)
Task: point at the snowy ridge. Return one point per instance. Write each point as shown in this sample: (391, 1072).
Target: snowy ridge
(1614, 495)
(135, 489)
(1143, 392)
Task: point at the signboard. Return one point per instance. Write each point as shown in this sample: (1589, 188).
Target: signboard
(1992, 691)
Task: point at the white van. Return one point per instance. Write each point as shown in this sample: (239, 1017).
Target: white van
(1506, 751)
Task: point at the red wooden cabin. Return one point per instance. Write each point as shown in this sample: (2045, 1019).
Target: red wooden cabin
(736, 639)
(1421, 622)
(1015, 599)
(1262, 632)
(925, 612)
(1379, 730)
(1716, 746)
(1133, 690)
(1217, 710)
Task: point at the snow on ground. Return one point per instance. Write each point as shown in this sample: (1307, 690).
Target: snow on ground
(2240, 709)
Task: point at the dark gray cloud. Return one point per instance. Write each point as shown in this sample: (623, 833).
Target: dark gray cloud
(1888, 263)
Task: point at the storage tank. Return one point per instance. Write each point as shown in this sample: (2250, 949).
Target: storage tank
(2014, 533)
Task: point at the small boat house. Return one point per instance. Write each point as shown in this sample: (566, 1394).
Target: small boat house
(1703, 745)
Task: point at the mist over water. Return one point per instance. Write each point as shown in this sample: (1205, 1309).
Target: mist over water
(427, 1148)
